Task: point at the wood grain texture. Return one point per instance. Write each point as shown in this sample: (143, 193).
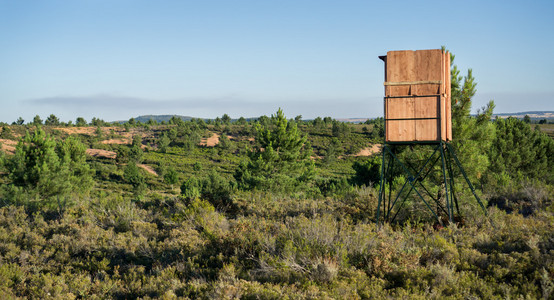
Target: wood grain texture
(420, 73)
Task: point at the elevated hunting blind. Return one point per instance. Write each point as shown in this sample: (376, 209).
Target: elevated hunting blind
(417, 106)
(417, 96)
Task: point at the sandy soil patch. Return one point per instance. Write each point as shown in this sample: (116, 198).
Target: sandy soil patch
(101, 153)
(369, 150)
(8, 146)
(122, 141)
(211, 141)
(77, 130)
(8, 142)
(148, 169)
(8, 149)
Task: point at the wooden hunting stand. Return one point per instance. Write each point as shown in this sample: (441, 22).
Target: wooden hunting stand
(417, 107)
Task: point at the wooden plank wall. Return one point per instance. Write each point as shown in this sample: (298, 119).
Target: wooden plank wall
(422, 72)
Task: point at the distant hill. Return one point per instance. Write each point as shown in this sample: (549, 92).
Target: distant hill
(534, 115)
(538, 115)
(160, 118)
(157, 118)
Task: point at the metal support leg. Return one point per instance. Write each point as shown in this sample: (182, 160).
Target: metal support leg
(381, 180)
(466, 178)
(448, 204)
(447, 155)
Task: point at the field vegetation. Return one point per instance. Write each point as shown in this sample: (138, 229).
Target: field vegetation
(269, 208)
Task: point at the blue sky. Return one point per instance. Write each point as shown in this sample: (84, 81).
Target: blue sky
(115, 59)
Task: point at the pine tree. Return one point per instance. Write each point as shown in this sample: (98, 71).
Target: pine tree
(80, 122)
(41, 170)
(135, 153)
(224, 142)
(73, 154)
(472, 136)
(281, 160)
(521, 152)
(52, 120)
(37, 121)
(163, 143)
(171, 176)
(226, 119)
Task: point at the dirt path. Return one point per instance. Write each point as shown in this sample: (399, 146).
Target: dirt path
(148, 169)
(101, 153)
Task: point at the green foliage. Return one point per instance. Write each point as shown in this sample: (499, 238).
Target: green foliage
(527, 119)
(134, 238)
(224, 142)
(19, 121)
(241, 121)
(367, 172)
(217, 190)
(72, 154)
(378, 130)
(80, 122)
(332, 151)
(340, 130)
(472, 136)
(99, 133)
(37, 121)
(163, 143)
(52, 120)
(42, 171)
(190, 189)
(98, 122)
(133, 175)
(226, 119)
(6, 133)
(135, 152)
(318, 123)
(521, 151)
(171, 176)
(281, 160)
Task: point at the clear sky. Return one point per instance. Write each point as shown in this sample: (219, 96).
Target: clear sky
(116, 59)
